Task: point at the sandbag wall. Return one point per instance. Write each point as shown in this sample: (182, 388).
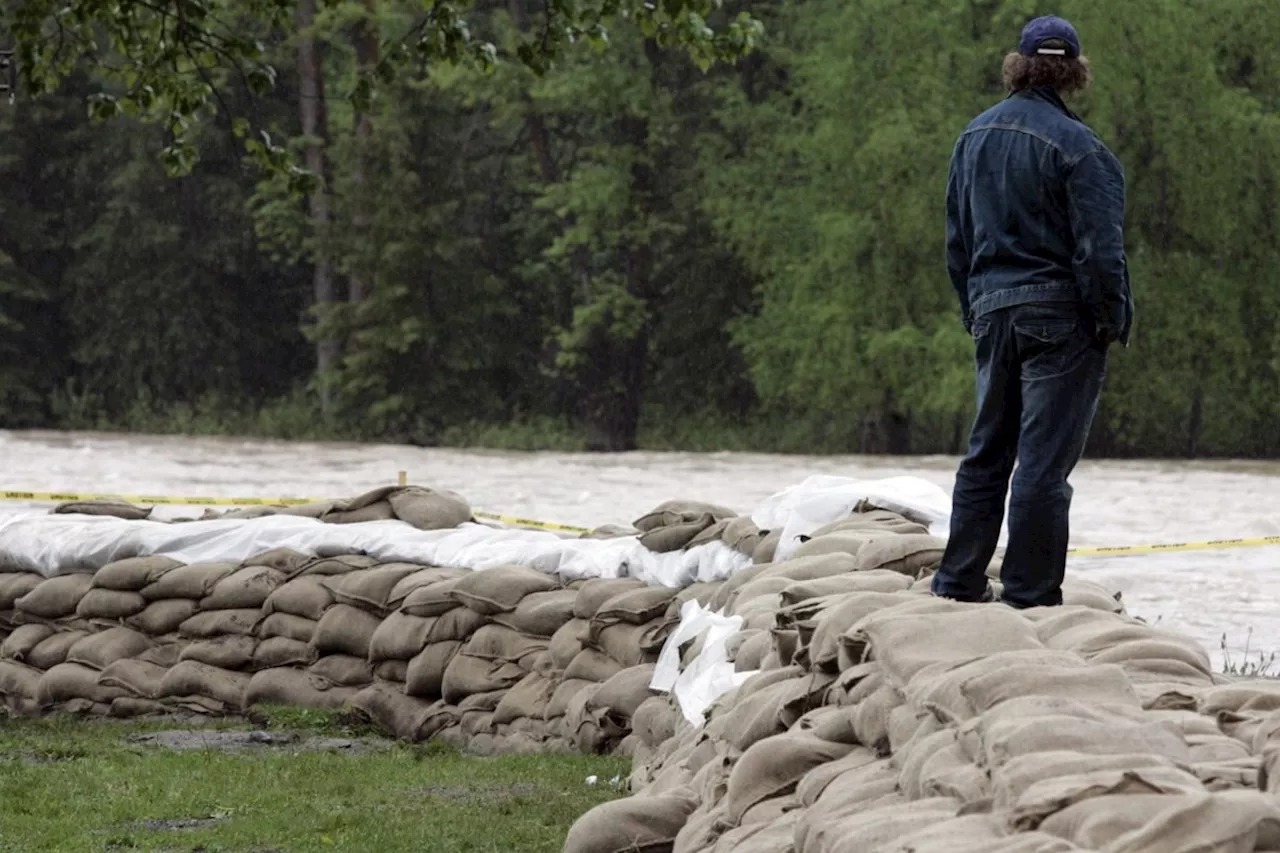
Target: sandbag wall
(885, 720)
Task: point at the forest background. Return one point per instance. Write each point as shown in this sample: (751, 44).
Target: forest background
(632, 251)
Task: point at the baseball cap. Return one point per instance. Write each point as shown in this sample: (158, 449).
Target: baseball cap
(1039, 33)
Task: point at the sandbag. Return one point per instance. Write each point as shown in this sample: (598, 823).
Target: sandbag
(231, 652)
(392, 670)
(501, 588)
(194, 581)
(1223, 822)
(567, 642)
(421, 577)
(496, 642)
(97, 651)
(430, 509)
(528, 699)
(1012, 736)
(634, 607)
(304, 596)
(52, 650)
(541, 614)
(386, 705)
(833, 622)
(288, 626)
(282, 651)
(456, 624)
(944, 694)
(139, 678)
(163, 654)
(281, 559)
(24, 638)
(132, 574)
(570, 691)
(909, 554)
(330, 567)
(371, 589)
(216, 623)
(646, 824)
(596, 591)
(871, 581)
(56, 597)
(592, 665)
(162, 617)
(296, 688)
(345, 630)
(190, 678)
(243, 589)
(110, 604)
(425, 677)
(624, 692)
(774, 766)
(68, 681)
(343, 670)
(466, 675)
(19, 684)
(14, 585)
(1049, 796)
(399, 637)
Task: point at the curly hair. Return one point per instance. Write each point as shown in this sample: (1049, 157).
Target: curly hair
(1058, 72)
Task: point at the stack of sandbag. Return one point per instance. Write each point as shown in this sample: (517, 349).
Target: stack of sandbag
(880, 718)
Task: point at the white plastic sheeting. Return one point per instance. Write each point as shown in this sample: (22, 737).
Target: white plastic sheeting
(819, 500)
(57, 544)
(710, 675)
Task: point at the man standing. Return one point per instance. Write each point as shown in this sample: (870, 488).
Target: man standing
(1035, 250)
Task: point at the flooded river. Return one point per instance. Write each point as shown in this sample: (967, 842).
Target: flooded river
(1203, 593)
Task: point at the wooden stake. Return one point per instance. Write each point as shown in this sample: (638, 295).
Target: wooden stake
(404, 478)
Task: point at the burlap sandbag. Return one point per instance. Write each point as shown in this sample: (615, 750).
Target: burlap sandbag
(231, 652)
(1050, 796)
(632, 645)
(456, 624)
(816, 780)
(56, 597)
(528, 699)
(399, 637)
(307, 597)
(567, 642)
(873, 581)
(750, 654)
(908, 555)
(836, 542)
(1102, 684)
(23, 639)
(833, 622)
(673, 512)
(328, 567)
(1011, 779)
(190, 678)
(766, 712)
(14, 585)
(466, 675)
(1247, 696)
(162, 617)
(385, 705)
(345, 630)
(52, 650)
(654, 720)
(936, 765)
(542, 613)
(432, 599)
(1012, 736)
(623, 693)
(567, 692)
(140, 678)
(343, 670)
(774, 766)
(979, 833)
(497, 642)
(297, 688)
(18, 682)
(1216, 749)
(1222, 822)
(1155, 648)
(371, 589)
(764, 552)
(501, 588)
(110, 604)
(422, 577)
(592, 665)
(289, 626)
(634, 607)
(393, 670)
(875, 824)
(217, 623)
(425, 677)
(378, 511)
(944, 694)
(282, 651)
(97, 651)
(430, 509)
(596, 591)
(632, 825)
(907, 643)
(68, 681)
(194, 581)
(243, 589)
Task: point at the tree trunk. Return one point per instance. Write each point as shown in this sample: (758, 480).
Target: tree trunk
(367, 47)
(315, 123)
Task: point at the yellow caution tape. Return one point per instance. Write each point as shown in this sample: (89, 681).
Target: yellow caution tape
(517, 521)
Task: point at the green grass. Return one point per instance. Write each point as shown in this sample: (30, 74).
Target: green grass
(77, 785)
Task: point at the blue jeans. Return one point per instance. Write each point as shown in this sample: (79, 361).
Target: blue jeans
(1040, 370)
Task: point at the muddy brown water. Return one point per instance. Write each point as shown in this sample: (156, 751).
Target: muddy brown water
(1202, 593)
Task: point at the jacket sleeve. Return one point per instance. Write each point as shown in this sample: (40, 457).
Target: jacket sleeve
(1095, 193)
(957, 252)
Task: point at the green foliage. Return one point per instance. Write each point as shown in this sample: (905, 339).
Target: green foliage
(530, 240)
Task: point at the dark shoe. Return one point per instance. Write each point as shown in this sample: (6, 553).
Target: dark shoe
(988, 597)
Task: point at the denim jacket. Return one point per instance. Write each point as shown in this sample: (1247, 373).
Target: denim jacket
(1035, 213)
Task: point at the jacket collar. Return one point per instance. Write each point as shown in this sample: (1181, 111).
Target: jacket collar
(1046, 93)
